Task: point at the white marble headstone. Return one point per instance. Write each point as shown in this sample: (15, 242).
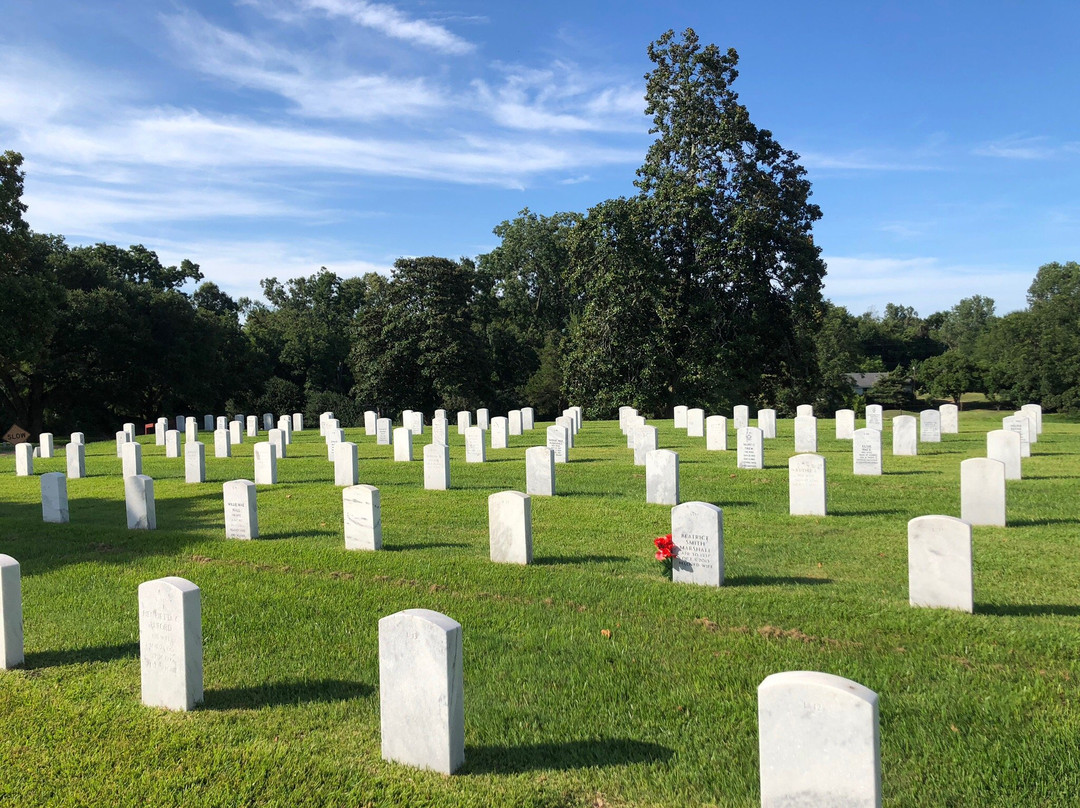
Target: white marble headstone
(766, 421)
(403, 444)
(558, 441)
(866, 452)
(139, 499)
(750, 448)
(76, 461)
(528, 419)
(929, 426)
(132, 459)
(236, 435)
(499, 432)
(1022, 427)
(1003, 445)
(464, 421)
(195, 462)
(680, 416)
(540, 471)
(982, 491)
(818, 742)
(384, 432)
(54, 498)
(363, 517)
(11, 620)
(24, 460)
(510, 527)
(740, 416)
(222, 444)
(475, 451)
(514, 425)
(421, 690)
(370, 419)
(875, 417)
(949, 415)
(437, 466)
(845, 424)
(241, 513)
(440, 431)
(172, 443)
(645, 441)
(806, 485)
(483, 418)
(265, 456)
(695, 423)
(662, 477)
(716, 433)
(45, 441)
(804, 410)
(939, 563)
(170, 643)
(697, 531)
(905, 439)
(805, 433)
(346, 469)
(252, 424)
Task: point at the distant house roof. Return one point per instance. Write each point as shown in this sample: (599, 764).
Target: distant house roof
(864, 381)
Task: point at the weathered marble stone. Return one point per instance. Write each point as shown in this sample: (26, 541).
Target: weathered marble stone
(1035, 411)
(241, 513)
(170, 643)
(510, 527)
(333, 438)
(1022, 427)
(1033, 428)
(513, 419)
(805, 433)
(624, 413)
(139, 499)
(298, 422)
(695, 423)
(483, 418)
(131, 459)
(766, 421)
(416, 423)
(76, 461)
(558, 442)
(751, 448)
(122, 438)
(277, 440)
(474, 445)
(370, 419)
(662, 477)
(80, 438)
(818, 742)
(680, 416)
(439, 413)
(437, 466)
(265, 463)
(866, 452)
(949, 418)
(221, 422)
(11, 620)
(384, 432)
(716, 433)
(806, 485)
(632, 423)
(45, 443)
(929, 426)
(24, 460)
(939, 563)
(195, 462)
(804, 411)
(528, 419)
(440, 431)
(406, 418)
(284, 426)
(403, 444)
(905, 440)
(579, 416)
(697, 531)
(129, 428)
(464, 421)
(645, 441)
(499, 433)
(324, 417)
(845, 424)
(346, 468)
(54, 498)
(252, 426)
(222, 445)
(740, 417)
(236, 435)
(568, 423)
(540, 471)
(191, 429)
(421, 695)
(172, 443)
(1004, 446)
(875, 417)
(982, 491)
(161, 426)
(363, 517)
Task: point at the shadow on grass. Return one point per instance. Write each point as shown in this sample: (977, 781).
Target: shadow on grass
(1028, 610)
(579, 559)
(430, 545)
(80, 656)
(774, 580)
(294, 534)
(561, 756)
(284, 693)
(869, 512)
(1039, 522)
(899, 473)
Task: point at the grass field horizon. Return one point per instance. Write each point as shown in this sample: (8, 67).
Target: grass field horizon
(590, 679)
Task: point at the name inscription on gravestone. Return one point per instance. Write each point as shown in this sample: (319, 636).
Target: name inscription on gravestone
(157, 637)
(695, 551)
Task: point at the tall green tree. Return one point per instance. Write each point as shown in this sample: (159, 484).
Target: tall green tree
(963, 324)
(733, 226)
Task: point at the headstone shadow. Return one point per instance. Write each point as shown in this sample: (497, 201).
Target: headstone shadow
(579, 559)
(1028, 609)
(561, 756)
(81, 656)
(279, 694)
(774, 580)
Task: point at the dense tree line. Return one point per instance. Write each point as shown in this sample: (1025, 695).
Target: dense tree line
(704, 288)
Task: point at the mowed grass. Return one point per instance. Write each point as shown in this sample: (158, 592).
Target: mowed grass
(590, 679)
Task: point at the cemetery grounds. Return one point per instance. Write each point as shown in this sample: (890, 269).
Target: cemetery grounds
(590, 679)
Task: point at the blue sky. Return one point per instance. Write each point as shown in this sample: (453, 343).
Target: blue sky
(272, 137)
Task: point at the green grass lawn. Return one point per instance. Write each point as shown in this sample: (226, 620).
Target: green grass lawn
(590, 680)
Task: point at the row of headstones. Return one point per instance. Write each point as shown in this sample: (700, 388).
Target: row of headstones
(818, 733)
(943, 420)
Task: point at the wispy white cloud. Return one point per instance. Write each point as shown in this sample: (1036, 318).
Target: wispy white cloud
(862, 283)
(315, 87)
(865, 160)
(1021, 147)
(388, 20)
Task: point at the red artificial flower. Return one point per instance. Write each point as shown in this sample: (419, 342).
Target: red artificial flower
(665, 547)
